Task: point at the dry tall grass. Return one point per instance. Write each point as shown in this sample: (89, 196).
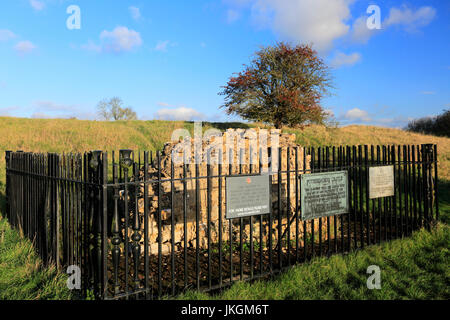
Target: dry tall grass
(371, 135)
(58, 135)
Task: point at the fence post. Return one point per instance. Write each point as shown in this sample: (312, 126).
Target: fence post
(427, 158)
(436, 181)
(7, 209)
(104, 223)
(95, 212)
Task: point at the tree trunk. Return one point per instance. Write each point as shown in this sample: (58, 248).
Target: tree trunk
(278, 125)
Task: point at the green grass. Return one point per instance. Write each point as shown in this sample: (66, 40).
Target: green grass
(444, 201)
(22, 275)
(411, 268)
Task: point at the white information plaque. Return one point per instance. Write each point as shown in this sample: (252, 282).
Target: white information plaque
(381, 182)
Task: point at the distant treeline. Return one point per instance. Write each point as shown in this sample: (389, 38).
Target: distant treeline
(438, 126)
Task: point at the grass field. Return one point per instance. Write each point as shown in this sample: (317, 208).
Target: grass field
(413, 268)
(58, 135)
(22, 276)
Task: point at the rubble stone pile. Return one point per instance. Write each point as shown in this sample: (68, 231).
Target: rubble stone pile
(236, 151)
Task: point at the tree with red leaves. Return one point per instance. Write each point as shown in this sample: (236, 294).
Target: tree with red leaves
(283, 86)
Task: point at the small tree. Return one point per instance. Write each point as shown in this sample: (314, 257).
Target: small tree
(113, 109)
(282, 86)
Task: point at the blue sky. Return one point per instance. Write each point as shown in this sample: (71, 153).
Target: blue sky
(169, 59)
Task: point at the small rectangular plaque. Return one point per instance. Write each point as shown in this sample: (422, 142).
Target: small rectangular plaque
(324, 194)
(381, 182)
(247, 196)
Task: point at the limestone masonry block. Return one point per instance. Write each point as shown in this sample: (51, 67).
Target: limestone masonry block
(242, 152)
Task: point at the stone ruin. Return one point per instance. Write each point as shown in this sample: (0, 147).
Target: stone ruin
(251, 147)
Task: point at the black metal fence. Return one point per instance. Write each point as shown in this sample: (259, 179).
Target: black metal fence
(137, 232)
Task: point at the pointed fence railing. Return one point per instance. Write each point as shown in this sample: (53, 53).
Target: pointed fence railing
(136, 230)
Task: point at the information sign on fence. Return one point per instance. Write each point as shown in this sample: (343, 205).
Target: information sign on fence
(381, 182)
(324, 194)
(247, 196)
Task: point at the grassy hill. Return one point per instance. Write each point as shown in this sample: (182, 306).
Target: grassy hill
(59, 135)
(423, 279)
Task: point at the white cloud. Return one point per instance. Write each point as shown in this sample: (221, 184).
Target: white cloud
(342, 59)
(329, 112)
(356, 114)
(360, 33)
(91, 46)
(237, 3)
(232, 15)
(41, 115)
(24, 47)
(428, 92)
(37, 5)
(46, 109)
(411, 20)
(309, 21)
(77, 115)
(6, 112)
(163, 45)
(6, 35)
(398, 122)
(181, 113)
(321, 22)
(52, 106)
(120, 39)
(135, 12)
(380, 116)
